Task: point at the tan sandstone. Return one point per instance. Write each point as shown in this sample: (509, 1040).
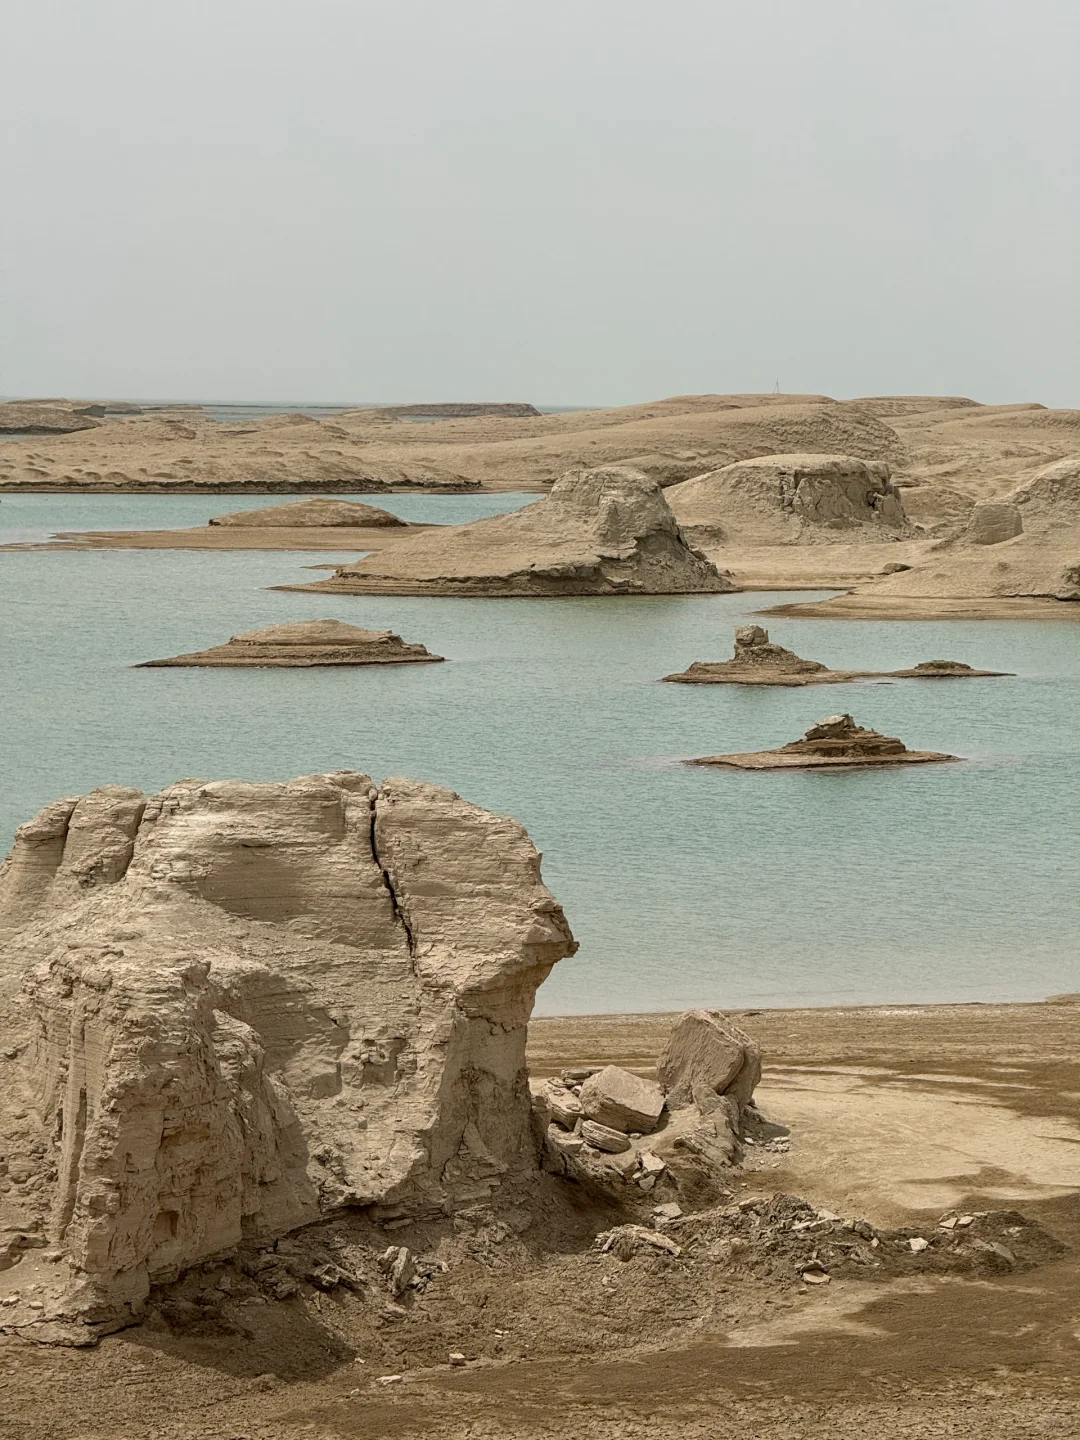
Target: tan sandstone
(305, 643)
(599, 532)
(232, 1009)
(833, 743)
(758, 662)
(322, 512)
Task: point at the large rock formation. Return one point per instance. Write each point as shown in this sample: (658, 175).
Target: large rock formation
(229, 1009)
(787, 499)
(835, 742)
(599, 532)
(305, 643)
(320, 512)
(757, 662)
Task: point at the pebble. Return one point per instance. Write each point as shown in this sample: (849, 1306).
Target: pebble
(456, 1357)
(917, 1245)
(390, 1379)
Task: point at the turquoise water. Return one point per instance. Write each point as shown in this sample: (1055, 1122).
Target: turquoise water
(684, 886)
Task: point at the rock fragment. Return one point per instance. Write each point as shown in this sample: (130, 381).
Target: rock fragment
(602, 1137)
(621, 1100)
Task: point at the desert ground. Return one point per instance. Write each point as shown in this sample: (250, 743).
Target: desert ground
(972, 511)
(897, 1114)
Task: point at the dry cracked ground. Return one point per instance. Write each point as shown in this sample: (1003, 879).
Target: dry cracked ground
(899, 1117)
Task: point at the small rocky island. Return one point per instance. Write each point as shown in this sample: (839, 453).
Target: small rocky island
(322, 512)
(305, 643)
(758, 662)
(833, 743)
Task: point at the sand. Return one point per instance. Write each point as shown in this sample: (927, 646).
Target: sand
(898, 1113)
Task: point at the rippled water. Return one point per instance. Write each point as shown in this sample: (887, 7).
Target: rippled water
(684, 886)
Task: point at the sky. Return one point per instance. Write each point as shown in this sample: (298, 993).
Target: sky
(588, 202)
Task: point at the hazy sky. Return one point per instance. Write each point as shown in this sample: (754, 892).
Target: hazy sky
(575, 201)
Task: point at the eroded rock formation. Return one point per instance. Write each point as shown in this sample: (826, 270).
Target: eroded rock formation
(599, 532)
(757, 662)
(320, 512)
(229, 1009)
(305, 643)
(835, 741)
(787, 499)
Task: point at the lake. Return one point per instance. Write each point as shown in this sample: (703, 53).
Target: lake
(684, 886)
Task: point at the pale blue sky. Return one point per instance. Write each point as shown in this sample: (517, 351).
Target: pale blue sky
(580, 201)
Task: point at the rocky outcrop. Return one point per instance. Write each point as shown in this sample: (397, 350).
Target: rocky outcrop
(991, 523)
(790, 499)
(305, 643)
(835, 742)
(757, 662)
(626, 1136)
(599, 532)
(320, 512)
(231, 1009)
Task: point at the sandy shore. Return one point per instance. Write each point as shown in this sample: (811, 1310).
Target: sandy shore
(898, 1113)
(239, 537)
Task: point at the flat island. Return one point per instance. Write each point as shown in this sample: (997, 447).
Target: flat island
(758, 662)
(833, 743)
(305, 643)
(321, 523)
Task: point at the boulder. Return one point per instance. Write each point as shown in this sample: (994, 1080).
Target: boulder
(231, 1009)
(992, 522)
(321, 512)
(301, 644)
(608, 531)
(622, 1100)
(707, 1057)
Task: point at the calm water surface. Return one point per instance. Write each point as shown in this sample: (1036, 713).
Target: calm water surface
(684, 886)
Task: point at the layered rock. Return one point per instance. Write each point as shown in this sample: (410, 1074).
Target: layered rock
(992, 523)
(835, 742)
(231, 1009)
(757, 662)
(320, 512)
(789, 499)
(305, 643)
(599, 532)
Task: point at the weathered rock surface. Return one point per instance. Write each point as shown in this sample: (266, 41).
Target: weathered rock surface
(706, 1058)
(788, 499)
(992, 523)
(599, 532)
(230, 1009)
(836, 742)
(305, 643)
(604, 1137)
(622, 1100)
(757, 662)
(320, 512)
